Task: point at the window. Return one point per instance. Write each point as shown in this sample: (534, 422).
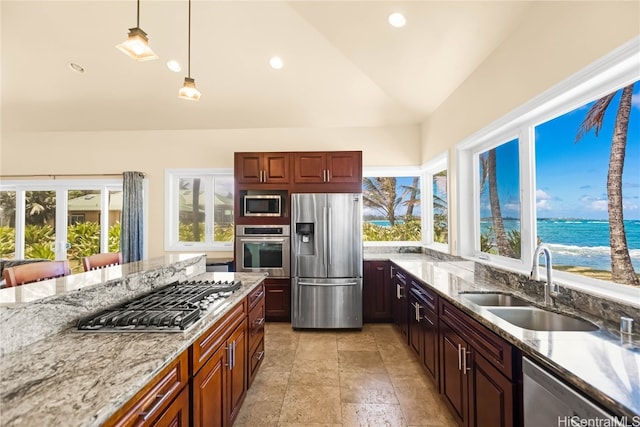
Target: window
(437, 216)
(391, 206)
(199, 210)
(567, 174)
(499, 200)
(59, 219)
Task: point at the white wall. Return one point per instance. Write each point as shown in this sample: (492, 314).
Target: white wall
(153, 152)
(556, 40)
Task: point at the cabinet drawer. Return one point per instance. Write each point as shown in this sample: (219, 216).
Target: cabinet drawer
(255, 359)
(496, 350)
(177, 415)
(424, 295)
(256, 324)
(256, 296)
(209, 342)
(146, 406)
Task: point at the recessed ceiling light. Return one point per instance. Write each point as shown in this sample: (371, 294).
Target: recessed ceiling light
(76, 67)
(276, 62)
(174, 66)
(396, 19)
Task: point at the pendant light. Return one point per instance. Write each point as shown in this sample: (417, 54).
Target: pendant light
(137, 44)
(188, 90)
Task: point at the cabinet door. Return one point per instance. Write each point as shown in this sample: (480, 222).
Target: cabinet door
(248, 167)
(276, 167)
(491, 395)
(376, 292)
(453, 380)
(429, 351)
(344, 167)
(237, 372)
(177, 414)
(415, 328)
(309, 167)
(208, 391)
(278, 300)
(400, 303)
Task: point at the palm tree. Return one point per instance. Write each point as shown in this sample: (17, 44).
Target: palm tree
(414, 193)
(489, 168)
(621, 266)
(380, 193)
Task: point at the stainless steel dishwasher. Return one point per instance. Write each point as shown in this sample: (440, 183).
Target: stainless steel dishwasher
(549, 402)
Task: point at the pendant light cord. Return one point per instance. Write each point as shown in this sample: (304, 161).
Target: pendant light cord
(138, 16)
(188, 44)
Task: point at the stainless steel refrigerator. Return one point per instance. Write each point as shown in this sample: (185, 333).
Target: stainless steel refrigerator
(326, 260)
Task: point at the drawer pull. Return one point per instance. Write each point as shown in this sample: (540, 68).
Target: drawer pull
(258, 324)
(160, 398)
(257, 297)
(259, 355)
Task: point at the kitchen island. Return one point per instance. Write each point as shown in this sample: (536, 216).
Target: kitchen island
(72, 378)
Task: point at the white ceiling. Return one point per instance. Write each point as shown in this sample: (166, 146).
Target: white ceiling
(344, 64)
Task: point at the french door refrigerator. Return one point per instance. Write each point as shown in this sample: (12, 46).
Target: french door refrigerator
(326, 260)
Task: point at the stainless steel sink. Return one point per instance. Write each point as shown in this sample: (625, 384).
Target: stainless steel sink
(536, 319)
(495, 299)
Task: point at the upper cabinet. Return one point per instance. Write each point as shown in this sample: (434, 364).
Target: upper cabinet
(266, 168)
(338, 167)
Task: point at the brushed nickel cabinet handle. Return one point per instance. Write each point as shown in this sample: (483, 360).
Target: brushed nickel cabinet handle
(160, 398)
(459, 357)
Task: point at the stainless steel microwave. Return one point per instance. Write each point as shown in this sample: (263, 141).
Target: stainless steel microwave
(262, 205)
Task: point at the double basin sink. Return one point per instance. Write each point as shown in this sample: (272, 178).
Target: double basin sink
(521, 313)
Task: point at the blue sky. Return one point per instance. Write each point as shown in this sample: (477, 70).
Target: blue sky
(401, 181)
(572, 177)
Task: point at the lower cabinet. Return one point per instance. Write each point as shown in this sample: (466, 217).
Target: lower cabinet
(277, 300)
(479, 392)
(219, 370)
(400, 303)
(159, 403)
(477, 373)
(376, 292)
(257, 317)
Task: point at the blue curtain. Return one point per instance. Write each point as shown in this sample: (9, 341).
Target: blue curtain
(131, 236)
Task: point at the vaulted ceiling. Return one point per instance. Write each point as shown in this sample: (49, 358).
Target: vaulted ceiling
(344, 65)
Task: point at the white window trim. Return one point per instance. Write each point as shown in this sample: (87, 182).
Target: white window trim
(172, 178)
(398, 171)
(438, 164)
(615, 70)
(61, 187)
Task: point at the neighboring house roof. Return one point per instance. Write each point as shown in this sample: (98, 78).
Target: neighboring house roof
(91, 202)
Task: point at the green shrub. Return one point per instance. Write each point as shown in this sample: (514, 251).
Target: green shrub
(7, 242)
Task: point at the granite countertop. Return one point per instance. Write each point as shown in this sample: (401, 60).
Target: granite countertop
(603, 364)
(81, 378)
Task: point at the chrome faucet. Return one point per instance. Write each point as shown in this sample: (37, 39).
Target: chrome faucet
(550, 289)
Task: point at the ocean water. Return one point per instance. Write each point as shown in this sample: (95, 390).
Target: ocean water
(581, 242)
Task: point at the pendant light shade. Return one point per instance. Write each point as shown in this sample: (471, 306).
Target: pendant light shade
(188, 89)
(137, 44)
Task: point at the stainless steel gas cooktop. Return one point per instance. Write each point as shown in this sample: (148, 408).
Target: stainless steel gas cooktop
(173, 308)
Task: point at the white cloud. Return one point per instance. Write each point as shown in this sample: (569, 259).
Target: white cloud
(598, 205)
(542, 200)
(635, 100)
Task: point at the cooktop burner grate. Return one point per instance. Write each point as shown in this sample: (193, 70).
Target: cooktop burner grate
(173, 308)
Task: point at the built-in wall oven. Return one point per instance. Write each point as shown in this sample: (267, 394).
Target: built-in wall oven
(263, 248)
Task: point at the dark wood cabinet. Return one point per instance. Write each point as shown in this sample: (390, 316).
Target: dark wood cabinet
(264, 168)
(376, 292)
(177, 414)
(339, 171)
(423, 327)
(479, 378)
(400, 304)
(278, 300)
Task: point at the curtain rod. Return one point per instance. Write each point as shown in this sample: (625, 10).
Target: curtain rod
(54, 176)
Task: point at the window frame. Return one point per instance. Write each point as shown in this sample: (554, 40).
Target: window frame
(171, 234)
(436, 165)
(610, 73)
(399, 171)
(61, 188)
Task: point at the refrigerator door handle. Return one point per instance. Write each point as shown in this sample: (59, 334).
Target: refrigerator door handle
(329, 235)
(324, 237)
(326, 284)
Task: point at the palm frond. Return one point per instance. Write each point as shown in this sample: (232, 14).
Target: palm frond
(595, 117)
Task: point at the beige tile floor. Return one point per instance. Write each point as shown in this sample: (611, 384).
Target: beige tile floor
(340, 378)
